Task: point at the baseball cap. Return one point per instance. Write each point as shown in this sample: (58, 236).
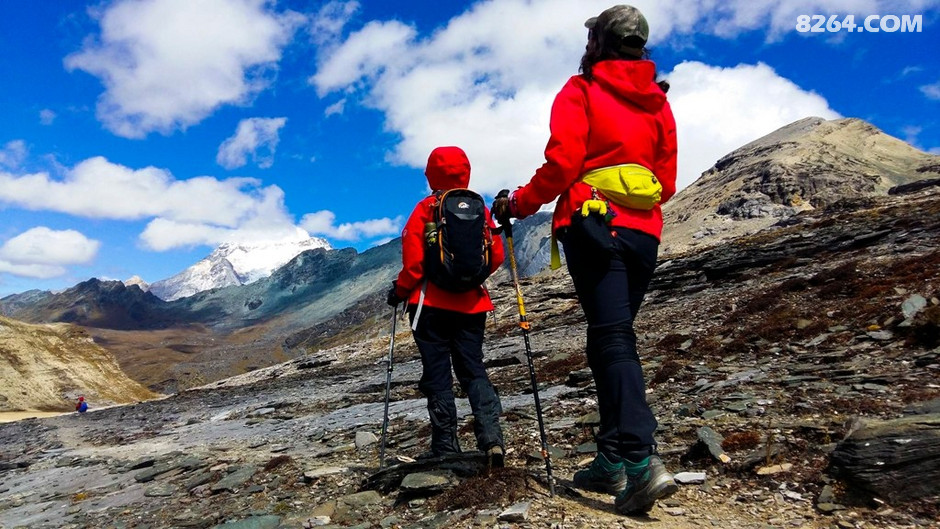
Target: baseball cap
(620, 21)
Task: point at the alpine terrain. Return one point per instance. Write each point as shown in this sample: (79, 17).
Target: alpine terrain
(790, 338)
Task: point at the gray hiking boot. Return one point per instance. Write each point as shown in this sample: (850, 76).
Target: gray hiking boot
(643, 489)
(602, 476)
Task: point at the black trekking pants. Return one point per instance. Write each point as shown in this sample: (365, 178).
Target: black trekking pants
(445, 336)
(610, 287)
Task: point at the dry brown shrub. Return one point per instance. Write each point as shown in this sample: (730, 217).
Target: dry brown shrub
(671, 342)
(669, 369)
(501, 486)
(741, 441)
(277, 461)
(559, 369)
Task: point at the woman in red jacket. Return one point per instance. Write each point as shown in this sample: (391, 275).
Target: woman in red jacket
(611, 124)
(449, 325)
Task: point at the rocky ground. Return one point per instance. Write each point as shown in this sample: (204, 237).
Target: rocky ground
(760, 354)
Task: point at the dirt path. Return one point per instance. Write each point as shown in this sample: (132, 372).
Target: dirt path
(10, 416)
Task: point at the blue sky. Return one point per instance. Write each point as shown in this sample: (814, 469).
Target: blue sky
(137, 135)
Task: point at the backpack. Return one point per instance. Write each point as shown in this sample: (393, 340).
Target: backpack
(460, 244)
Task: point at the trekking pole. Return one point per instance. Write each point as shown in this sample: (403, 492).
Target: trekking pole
(388, 385)
(524, 324)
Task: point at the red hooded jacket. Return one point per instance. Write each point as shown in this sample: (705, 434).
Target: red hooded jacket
(448, 168)
(621, 117)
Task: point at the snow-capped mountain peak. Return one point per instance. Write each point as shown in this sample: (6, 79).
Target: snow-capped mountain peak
(139, 281)
(234, 264)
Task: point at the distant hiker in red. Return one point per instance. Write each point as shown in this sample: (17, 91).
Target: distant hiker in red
(448, 249)
(81, 406)
(611, 162)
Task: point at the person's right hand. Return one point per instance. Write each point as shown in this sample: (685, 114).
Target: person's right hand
(502, 207)
(392, 298)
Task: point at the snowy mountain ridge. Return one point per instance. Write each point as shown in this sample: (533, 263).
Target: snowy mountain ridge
(233, 264)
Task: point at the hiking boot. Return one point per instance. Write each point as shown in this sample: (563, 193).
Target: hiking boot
(602, 476)
(496, 457)
(651, 483)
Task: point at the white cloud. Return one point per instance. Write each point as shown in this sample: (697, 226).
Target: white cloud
(241, 208)
(335, 108)
(264, 218)
(328, 24)
(167, 64)
(252, 135)
(44, 253)
(486, 81)
(720, 109)
(13, 154)
(98, 188)
(32, 271)
(164, 234)
(932, 91)
(324, 223)
(46, 116)
(911, 132)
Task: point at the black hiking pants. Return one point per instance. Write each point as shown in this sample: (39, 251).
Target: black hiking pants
(610, 287)
(445, 336)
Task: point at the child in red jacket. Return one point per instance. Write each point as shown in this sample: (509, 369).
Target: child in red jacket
(450, 325)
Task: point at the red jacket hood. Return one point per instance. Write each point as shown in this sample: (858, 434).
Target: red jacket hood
(633, 81)
(448, 168)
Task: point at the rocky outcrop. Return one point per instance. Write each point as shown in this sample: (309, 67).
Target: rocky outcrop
(811, 163)
(898, 460)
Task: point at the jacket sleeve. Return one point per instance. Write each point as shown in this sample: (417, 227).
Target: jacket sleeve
(666, 153)
(498, 254)
(412, 251)
(564, 154)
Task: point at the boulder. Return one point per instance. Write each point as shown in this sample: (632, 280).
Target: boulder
(896, 460)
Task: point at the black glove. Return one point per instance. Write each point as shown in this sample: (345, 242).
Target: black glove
(502, 210)
(393, 298)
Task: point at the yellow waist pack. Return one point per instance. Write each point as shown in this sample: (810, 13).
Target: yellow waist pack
(629, 185)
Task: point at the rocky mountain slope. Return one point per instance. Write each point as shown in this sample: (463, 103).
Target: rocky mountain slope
(46, 367)
(233, 264)
(771, 360)
(94, 303)
(808, 164)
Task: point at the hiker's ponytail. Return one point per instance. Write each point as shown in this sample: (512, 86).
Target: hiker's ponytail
(596, 51)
